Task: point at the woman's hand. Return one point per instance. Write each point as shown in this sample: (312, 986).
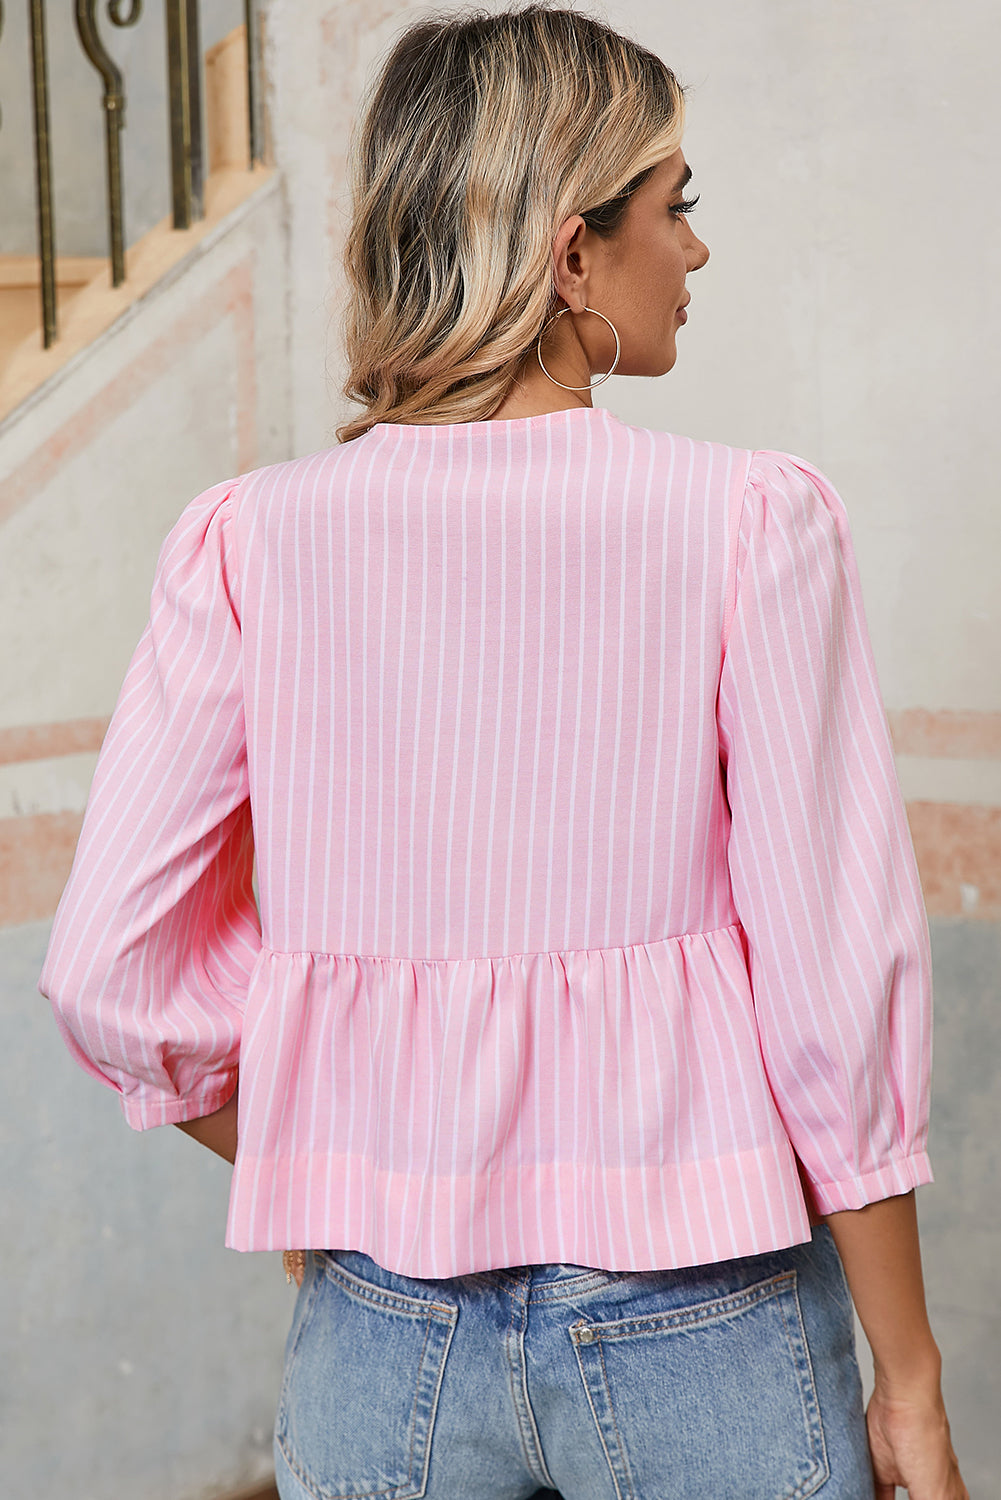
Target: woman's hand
(908, 1429)
(910, 1444)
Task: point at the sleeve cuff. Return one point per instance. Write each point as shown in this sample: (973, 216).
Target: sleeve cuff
(888, 1181)
(144, 1111)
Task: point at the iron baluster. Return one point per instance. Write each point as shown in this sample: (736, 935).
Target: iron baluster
(43, 172)
(184, 87)
(114, 116)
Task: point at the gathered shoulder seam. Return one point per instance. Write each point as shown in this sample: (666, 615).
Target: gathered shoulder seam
(735, 509)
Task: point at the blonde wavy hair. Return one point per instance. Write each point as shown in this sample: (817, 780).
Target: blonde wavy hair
(484, 132)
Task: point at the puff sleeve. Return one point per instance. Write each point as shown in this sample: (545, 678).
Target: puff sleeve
(157, 930)
(822, 865)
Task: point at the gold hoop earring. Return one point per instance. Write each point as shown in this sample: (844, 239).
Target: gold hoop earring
(591, 386)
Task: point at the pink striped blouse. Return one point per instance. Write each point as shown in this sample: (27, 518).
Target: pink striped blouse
(588, 905)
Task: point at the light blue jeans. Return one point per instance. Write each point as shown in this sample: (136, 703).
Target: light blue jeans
(733, 1381)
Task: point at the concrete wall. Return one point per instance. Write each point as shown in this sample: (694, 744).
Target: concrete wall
(845, 156)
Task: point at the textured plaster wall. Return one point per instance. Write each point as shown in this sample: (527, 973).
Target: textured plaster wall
(142, 1357)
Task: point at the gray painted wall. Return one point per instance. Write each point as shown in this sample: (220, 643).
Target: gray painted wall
(960, 1213)
(141, 1357)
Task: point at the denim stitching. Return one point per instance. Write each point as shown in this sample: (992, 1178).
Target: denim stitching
(426, 1311)
(815, 1423)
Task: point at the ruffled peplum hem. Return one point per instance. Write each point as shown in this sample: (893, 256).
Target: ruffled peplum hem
(603, 1106)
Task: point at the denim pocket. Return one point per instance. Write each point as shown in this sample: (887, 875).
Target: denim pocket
(363, 1370)
(726, 1386)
